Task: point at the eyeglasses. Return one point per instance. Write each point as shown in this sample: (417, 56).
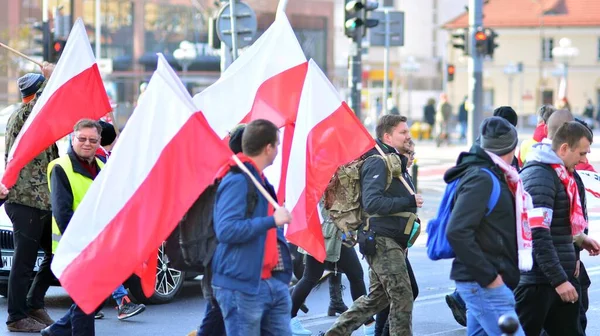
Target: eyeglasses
(91, 140)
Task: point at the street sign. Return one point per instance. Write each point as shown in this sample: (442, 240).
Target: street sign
(246, 24)
(396, 26)
(105, 66)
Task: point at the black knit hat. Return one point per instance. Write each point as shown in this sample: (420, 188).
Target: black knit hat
(108, 135)
(507, 113)
(30, 84)
(498, 136)
(235, 138)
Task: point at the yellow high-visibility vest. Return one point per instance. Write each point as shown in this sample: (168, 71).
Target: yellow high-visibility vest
(79, 187)
(525, 148)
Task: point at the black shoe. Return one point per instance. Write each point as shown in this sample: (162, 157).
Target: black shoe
(129, 309)
(459, 313)
(99, 315)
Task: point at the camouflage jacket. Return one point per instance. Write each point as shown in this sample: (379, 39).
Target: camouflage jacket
(31, 188)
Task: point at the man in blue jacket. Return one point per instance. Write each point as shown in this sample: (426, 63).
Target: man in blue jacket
(252, 266)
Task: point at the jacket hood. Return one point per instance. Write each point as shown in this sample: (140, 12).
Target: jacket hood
(476, 156)
(542, 152)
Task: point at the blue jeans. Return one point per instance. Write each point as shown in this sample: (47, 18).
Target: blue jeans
(485, 306)
(119, 294)
(266, 313)
(212, 324)
(74, 323)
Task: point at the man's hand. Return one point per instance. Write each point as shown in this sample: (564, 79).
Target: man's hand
(577, 267)
(591, 246)
(47, 69)
(496, 283)
(419, 200)
(282, 216)
(567, 292)
(3, 191)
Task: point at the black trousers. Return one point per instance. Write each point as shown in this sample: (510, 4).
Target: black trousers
(584, 300)
(313, 271)
(382, 327)
(32, 229)
(540, 307)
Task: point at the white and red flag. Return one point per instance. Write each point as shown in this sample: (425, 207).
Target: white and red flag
(327, 135)
(74, 91)
(166, 157)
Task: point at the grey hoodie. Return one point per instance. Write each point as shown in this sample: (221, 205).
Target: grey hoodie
(542, 152)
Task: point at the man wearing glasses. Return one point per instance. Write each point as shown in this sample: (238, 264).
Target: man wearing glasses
(69, 178)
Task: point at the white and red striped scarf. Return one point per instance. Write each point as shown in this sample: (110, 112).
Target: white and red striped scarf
(578, 222)
(523, 203)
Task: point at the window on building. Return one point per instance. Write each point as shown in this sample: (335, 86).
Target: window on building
(547, 45)
(386, 3)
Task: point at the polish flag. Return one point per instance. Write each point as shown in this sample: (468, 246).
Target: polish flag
(73, 92)
(327, 135)
(166, 156)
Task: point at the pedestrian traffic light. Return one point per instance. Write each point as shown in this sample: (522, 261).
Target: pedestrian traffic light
(450, 70)
(491, 44)
(42, 40)
(58, 47)
(460, 39)
(481, 41)
(369, 23)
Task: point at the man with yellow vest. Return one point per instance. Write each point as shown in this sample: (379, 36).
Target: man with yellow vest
(69, 178)
(541, 132)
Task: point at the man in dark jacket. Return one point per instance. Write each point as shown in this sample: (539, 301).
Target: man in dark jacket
(486, 265)
(252, 265)
(546, 295)
(390, 283)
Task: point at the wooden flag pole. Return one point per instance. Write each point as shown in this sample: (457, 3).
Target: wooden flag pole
(262, 189)
(21, 54)
(112, 116)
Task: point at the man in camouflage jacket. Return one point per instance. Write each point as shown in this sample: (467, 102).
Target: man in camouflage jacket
(28, 207)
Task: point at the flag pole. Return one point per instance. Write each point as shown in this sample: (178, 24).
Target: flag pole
(262, 189)
(21, 54)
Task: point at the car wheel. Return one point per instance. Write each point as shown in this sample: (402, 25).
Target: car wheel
(4, 290)
(169, 282)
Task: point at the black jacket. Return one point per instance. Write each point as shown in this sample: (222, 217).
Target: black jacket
(554, 255)
(485, 246)
(378, 201)
(62, 195)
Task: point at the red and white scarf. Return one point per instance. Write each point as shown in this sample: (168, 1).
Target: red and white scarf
(578, 222)
(523, 203)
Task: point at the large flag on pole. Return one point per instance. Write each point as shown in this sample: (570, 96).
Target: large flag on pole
(74, 91)
(166, 156)
(327, 135)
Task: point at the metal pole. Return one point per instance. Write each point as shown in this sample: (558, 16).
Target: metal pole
(98, 31)
(386, 62)
(46, 31)
(475, 71)
(410, 79)
(355, 75)
(233, 18)
(521, 93)
(72, 17)
(225, 57)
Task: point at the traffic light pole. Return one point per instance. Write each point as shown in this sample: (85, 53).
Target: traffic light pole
(355, 69)
(475, 72)
(386, 62)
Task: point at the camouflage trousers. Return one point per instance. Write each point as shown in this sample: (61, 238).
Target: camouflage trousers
(389, 285)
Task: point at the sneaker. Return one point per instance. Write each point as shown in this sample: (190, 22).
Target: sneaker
(99, 315)
(129, 309)
(458, 310)
(369, 330)
(27, 324)
(297, 328)
(41, 315)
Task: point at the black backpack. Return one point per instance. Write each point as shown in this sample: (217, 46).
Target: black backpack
(193, 242)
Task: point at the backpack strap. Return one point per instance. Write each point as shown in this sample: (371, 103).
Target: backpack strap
(495, 192)
(251, 196)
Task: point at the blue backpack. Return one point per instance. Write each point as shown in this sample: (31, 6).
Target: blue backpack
(438, 246)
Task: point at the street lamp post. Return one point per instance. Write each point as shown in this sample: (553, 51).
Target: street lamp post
(565, 52)
(510, 70)
(185, 55)
(410, 67)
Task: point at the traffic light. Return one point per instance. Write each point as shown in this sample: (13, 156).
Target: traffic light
(58, 46)
(460, 40)
(43, 40)
(450, 70)
(356, 19)
(491, 44)
(481, 41)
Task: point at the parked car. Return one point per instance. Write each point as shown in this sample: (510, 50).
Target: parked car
(169, 281)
